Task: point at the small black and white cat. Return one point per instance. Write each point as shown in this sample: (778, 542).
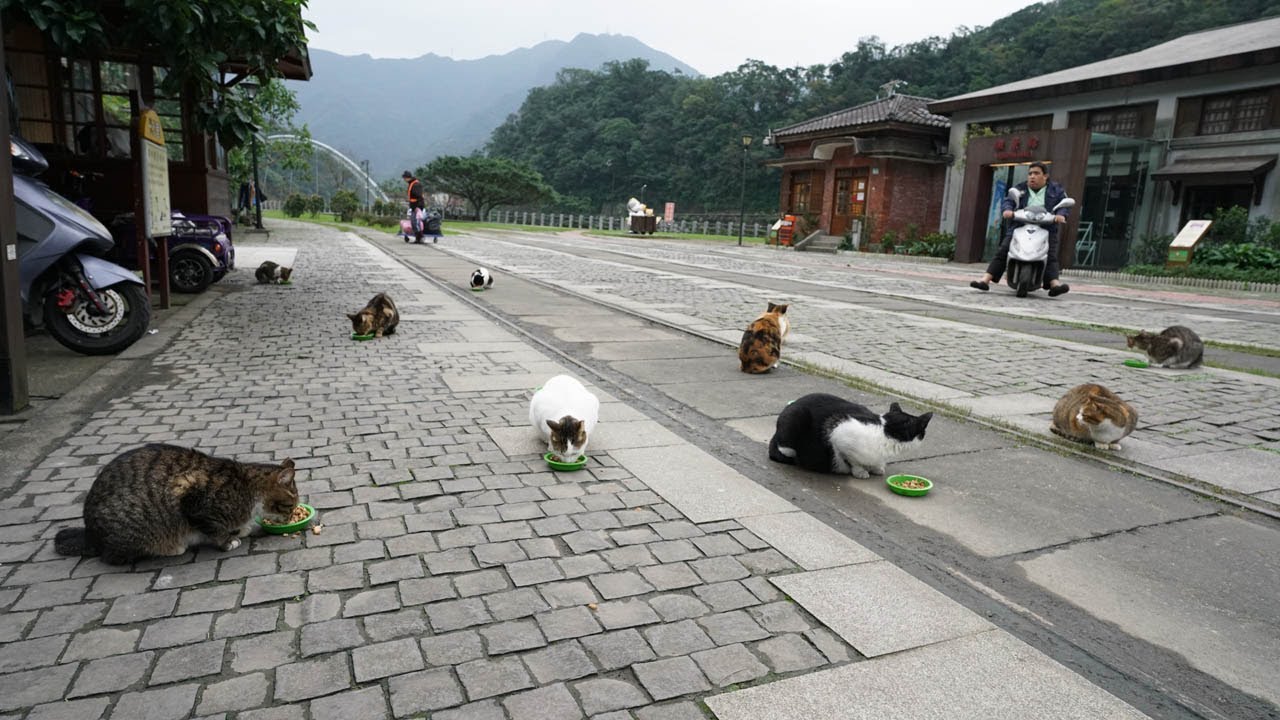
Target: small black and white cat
(825, 433)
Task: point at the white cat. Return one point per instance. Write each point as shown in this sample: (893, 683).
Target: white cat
(564, 412)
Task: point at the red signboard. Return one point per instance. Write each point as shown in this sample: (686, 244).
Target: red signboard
(1017, 147)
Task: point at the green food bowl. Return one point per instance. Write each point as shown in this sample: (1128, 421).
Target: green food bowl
(479, 289)
(361, 338)
(291, 527)
(559, 465)
(899, 484)
(1131, 362)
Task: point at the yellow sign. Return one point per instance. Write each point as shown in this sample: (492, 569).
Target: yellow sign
(155, 175)
(150, 128)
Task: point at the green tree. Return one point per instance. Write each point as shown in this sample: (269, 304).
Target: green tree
(272, 112)
(295, 205)
(486, 182)
(192, 39)
(315, 205)
(344, 204)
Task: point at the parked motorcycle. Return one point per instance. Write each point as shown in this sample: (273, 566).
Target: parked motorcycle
(1029, 248)
(87, 304)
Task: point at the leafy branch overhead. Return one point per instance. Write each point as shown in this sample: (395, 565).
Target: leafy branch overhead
(194, 40)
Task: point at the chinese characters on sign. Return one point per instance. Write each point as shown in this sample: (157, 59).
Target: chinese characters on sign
(155, 175)
(1017, 147)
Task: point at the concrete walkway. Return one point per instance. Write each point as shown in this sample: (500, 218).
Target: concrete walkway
(457, 576)
(1216, 429)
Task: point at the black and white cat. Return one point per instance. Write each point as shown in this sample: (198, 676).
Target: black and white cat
(825, 433)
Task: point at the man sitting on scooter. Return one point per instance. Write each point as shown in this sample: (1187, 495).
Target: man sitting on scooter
(1040, 191)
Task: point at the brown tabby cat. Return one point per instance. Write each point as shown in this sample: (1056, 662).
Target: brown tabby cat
(761, 348)
(161, 499)
(1092, 413)
(1175, 347)
(378, 318)
(269, 273)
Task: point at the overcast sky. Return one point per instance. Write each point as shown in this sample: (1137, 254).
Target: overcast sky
(712, 37)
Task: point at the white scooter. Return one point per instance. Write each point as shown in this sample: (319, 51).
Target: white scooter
(1029, 249)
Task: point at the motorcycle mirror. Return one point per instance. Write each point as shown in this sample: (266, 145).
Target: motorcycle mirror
(26, 158)
(1065, 203)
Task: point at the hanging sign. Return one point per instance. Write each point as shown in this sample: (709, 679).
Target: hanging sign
(155, 175)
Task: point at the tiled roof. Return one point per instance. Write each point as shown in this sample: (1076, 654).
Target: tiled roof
(895, 108)
(1200, 47)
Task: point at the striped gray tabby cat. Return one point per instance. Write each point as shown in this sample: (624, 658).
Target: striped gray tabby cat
(158, 500)
(1092, 413)
(1175, 347)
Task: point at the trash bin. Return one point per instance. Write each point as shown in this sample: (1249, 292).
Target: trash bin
(642, 224)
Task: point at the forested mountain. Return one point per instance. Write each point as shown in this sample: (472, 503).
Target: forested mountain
(598, 136)
(399, 113)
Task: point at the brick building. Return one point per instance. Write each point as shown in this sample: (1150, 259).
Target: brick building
(882, 161)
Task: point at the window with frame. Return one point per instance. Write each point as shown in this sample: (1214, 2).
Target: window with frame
(801, 185)
(32, 94)
(1118, 121)
(1240, 112)
(96, 115)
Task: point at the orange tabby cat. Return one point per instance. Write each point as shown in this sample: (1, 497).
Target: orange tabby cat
(1092, 413)
(761, 348)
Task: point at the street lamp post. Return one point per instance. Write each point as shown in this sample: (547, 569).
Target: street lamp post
(742, 196)
(257, 185)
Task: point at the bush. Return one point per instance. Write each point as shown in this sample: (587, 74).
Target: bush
(1150, 250)
(295, 205)
(1211, 272)
(1265, 232)
(1230, 226)
(1246, 256)
(938, 244)
(344, 204)
(888, 241)
(315, 205)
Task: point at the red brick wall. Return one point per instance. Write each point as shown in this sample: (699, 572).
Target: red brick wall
(913, 196)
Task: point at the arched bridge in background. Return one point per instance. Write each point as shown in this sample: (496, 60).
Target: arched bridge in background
(352, 165)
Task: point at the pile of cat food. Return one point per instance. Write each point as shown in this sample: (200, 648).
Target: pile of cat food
(912, 484)
(298, 515)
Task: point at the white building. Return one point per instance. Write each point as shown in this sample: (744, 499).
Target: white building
(1144, 141)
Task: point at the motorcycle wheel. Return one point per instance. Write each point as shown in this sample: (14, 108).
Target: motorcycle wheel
(1024, 280)
(127, 318)
(190, 272)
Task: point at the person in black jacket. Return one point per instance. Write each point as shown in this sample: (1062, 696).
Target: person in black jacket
(417, 203)
(1037, 190)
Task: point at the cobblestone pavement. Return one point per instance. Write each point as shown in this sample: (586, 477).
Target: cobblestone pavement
(1195, 411)
(449, 579)
(941, 283)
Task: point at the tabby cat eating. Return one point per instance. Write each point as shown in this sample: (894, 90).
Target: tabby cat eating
(1174, 347)
(379, 317)
(158, 500)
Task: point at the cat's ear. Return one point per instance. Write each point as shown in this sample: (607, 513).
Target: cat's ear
(924, 420)
(286, 472)
(352, 316)
(555, 426)
(782, 309)
(895, 407)
(771, 307)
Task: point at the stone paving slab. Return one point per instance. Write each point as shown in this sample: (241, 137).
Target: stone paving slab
(249, 257)
(746, 397)
(698, 485)
(906, 384)
(807, 541)
(974, 500)
(987, 676)
(678, 347)
(472, 348)
(1002, 406)
(1223, 630)
(683, 370)
(1245, 470)
(608, 435)
(878, 608)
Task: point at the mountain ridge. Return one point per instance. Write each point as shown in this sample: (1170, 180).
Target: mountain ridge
(401, 112)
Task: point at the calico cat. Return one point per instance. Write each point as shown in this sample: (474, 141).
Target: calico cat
(1175, 347)
(1092, 413)
(761, 348)
(825, 433)
(564, 412)
(378, 318)
(158, 500)
(269, 273)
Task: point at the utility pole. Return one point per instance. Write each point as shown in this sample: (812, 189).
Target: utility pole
(13, 347)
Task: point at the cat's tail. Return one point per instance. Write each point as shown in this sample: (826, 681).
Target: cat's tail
(776, 455)
(74, 541)
(1063, 433)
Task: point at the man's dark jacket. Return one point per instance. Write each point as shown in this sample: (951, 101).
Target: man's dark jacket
(1053, 194)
